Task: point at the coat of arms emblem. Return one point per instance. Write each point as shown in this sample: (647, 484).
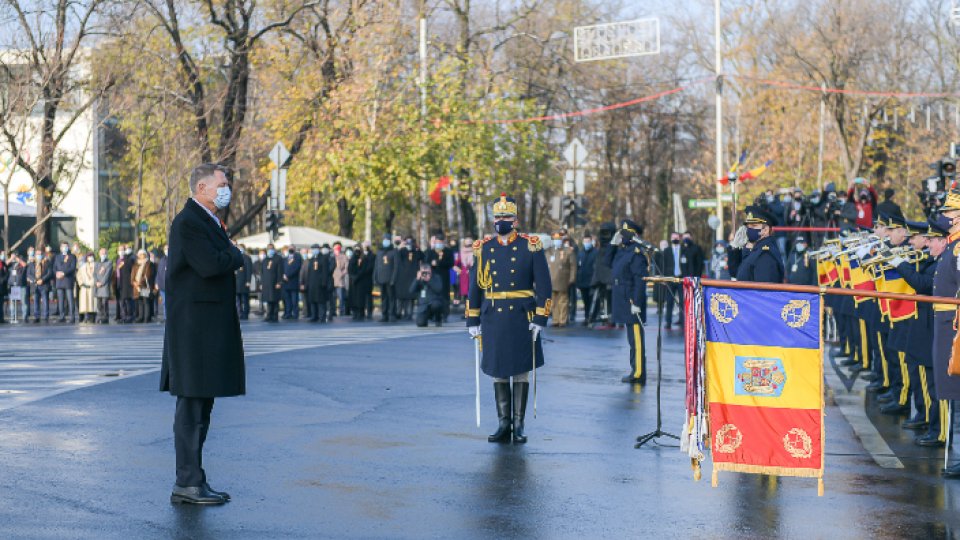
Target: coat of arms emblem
(759, 376)
(723, 308)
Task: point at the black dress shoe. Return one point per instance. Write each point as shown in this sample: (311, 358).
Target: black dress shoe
(223, 494)
(856, 368)
(928, 439)
(895, 409)
(869, 376)
(915, 423)
(877, 387)
(847, 361)
(195, 495)
(886, 397)
(629, 379)
(952, 471)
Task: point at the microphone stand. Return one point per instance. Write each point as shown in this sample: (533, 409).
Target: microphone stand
(657, 433)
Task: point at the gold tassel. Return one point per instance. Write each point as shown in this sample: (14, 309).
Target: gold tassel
(713, 479)
(820, 487)
(696, 469)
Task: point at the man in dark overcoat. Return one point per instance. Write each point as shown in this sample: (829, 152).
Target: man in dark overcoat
(271, 270)
(319, 281)
(202, 345)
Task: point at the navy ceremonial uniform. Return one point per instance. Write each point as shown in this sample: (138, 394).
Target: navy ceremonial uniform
(762, 263)
(510, 300)
(946, 282)
(629, 266)
(509, 289)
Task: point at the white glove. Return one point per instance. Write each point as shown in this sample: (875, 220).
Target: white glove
(616, 240)
(897, 261)
(474, 331)
(635, 310)
(740, 237)
(536, 329)
(863, 252)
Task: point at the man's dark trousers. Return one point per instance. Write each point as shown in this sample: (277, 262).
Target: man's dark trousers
(190, 425)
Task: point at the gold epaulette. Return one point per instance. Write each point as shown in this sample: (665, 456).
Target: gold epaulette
(533, 242)
(477, 244)
(765, 248)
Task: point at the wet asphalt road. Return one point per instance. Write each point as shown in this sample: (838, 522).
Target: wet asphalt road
(377, 440)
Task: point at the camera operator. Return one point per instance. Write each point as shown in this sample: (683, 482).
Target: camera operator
(864, 198)
(797, 214)
(428, 288)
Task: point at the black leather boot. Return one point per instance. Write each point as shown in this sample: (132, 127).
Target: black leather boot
(501, 392)
(520, 391)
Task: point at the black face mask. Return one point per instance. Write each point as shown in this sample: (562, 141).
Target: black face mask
(503, 227)
(626, 237)
(675, 242)
(687, 241)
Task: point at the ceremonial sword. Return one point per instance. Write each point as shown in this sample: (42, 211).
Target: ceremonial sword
(476, 357)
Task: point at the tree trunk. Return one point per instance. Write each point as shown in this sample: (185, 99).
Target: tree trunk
(345, 218)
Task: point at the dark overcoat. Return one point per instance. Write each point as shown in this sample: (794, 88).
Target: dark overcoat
(762, 264)
(202, 345)
(629, 268)
(510, 289)
(319, 278)
(408, 265)
(68, 265)
(271, 270)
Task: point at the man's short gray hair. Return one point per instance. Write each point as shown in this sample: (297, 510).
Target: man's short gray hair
(202, 172)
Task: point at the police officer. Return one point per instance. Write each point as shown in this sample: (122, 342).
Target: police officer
(760, 258)
(510, 301)
(919, 335)
(629, 265)
(946, 282)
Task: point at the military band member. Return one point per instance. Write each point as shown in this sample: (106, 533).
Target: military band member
(629, 265)
(946, 282)
(896, 400)
(931, 411)
(509, 302)
(760, 259)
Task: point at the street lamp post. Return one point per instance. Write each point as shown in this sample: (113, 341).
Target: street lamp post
(719, 120)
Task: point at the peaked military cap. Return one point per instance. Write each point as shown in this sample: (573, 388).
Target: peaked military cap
(632, 226)
(893, 221)
(757, 215)
(917, 227)
(936, 230)
(952, 202)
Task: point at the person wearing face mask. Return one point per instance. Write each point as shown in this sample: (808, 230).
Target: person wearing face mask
(800, 269)
(203, 355)
(946, 282)
(123, 285)
(440, 259)
(508, 306)
(385, 277)
(361, 282)
(931, 413)
(760, 259)
(102, 281)
(243, 275)
(562, 262)
(674, 262)
(271, 270)
(719, 266)
(629, 265)
(864, 199)
(408, 267)
(586, 263)
(291, 284)
(65, 270)
(160, 284)
(319, 281)
(340, 280)
(28, 289)
(16, 284)
(305, 255)
(85, 278)
(44, 277)
(692, 253)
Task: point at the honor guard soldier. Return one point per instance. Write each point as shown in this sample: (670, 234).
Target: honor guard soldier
(931, 411)
(629, 265)
(946, 282)
(761, 260)
(894, 370)
(510, 302)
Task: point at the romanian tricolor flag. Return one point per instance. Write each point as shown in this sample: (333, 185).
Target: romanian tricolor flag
(827, 272)
(895, 310)
(765, 387)
(442, 183)
(754, 173)
(860, 280)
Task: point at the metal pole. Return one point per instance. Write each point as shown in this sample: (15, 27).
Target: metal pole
(476, 375)
(423, 119)
(719, 120)
(823, 105)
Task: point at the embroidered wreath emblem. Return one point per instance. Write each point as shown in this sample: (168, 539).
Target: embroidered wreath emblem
(798, 444)
(728, 439)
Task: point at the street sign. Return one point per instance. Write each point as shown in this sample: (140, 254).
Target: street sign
(278, 189)
(574, 181)
(280, 155)
(708, 203)
(144, 226)
(713, 221)
(576, 153)
(616, 40)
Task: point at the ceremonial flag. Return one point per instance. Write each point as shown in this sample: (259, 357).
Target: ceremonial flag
(754, 173)
(891, 281)
(764, 379)
(726, 179)
(827, 273)
(844, 274)
(860, 280)
(439, 186)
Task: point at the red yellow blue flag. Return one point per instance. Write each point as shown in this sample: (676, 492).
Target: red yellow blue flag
(764, 381)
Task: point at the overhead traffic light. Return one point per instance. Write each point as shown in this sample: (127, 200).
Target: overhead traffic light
(574, 211)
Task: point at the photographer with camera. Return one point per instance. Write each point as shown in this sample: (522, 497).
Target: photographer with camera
(864, 199)
(429, 290)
